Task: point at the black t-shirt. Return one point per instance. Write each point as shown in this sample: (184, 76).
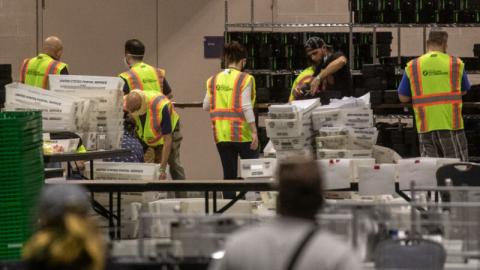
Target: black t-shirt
(342, 79)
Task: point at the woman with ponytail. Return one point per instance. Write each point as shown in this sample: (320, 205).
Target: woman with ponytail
(230, 98)
(67, 238)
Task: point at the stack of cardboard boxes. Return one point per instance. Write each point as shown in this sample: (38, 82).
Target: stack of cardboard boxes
(289, 128)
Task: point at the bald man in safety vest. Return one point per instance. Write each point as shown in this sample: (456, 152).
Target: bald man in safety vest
(157, 126)
(434, 83)
(35, 71)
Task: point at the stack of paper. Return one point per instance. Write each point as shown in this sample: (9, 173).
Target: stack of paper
(289, 128)
(345, 129)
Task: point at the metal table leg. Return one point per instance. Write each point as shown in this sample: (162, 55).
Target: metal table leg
(207, 210)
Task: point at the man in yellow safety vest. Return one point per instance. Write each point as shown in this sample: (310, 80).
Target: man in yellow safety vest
(35, 71)
(141, 75)
(435, 83)
(157, 126)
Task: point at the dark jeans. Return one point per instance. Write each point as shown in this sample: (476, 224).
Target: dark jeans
(229, 152)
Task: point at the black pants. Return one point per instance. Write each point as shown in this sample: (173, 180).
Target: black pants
(229, 152)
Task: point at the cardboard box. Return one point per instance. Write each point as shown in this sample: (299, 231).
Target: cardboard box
(293, 154)
(297, 143)
(258, 168)
(282, 128)
(342, 153)
(332, 142)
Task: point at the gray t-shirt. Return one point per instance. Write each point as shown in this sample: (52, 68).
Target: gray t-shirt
(270, 246)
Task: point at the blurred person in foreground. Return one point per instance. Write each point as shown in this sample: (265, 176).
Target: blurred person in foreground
(66, 238)
(292, 240)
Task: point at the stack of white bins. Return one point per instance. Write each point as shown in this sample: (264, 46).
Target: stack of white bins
(106, 97)
(345, 130)
(289, 128)
(59, 112)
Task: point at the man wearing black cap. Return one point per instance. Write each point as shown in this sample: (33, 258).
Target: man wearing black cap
(329, 72)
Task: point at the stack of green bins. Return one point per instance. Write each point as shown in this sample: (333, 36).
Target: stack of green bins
(21, 178)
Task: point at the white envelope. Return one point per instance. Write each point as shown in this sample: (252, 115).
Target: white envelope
(376, 180)
(421, 170)
(337, 173)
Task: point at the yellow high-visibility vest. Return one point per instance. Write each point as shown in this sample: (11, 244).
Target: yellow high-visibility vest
(35, 71)
(435, 82)
(151, 132)
(144, 77)
(225, 92)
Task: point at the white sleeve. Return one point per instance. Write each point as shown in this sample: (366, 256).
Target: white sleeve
(206, 102)
(247, 104)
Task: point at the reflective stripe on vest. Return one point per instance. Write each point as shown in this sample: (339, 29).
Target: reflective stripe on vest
(155, 119)
(213, 92)
(453, 97)
(52, 69)
(134, 79)
(23, 71)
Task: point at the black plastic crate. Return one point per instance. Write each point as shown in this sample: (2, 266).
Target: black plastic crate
(376, 97)
(450, 4)
(467, 16)
(390, 97)
(262, 95)
(389, 5)
(472, 4)
(476, 50)
(471, 63)
(427, 15)
(446, 16)
(6, 72)
(428, 4)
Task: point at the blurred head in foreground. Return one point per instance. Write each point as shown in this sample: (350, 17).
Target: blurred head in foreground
(300, 189)
(66, 238)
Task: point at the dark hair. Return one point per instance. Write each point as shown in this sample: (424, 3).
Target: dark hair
(300, 187)
(437, 38)
(135, 48)
(233, 52)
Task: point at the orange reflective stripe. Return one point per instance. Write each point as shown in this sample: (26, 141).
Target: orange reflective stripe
(236, 125)
(213, 99)
(456, 116)
(436, 98)
(54, 68)
(240, 84)
(23, 72)
(416, 77)
(226, 114)
(213, 92)
(454, 74)
(423, 118)
(134, 79)
(45, 76)
(437, 103)
(155, 119)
